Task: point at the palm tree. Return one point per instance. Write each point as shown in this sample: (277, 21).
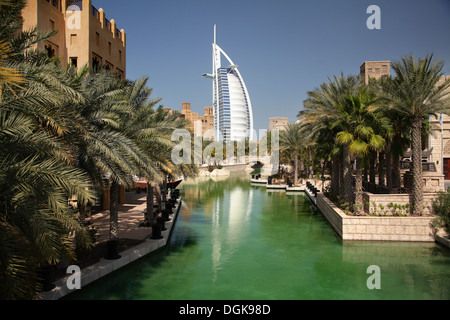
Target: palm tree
(291, 140)
(104, 150)
(36, 179)
(321, 110)
(358, 136)
(415, 94)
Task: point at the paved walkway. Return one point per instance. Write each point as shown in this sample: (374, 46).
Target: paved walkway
(130, 216)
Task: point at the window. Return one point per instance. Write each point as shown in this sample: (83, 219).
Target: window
(73, 39)
(96, 63)
(51, 52)
(120, 55)
(97, 38)
(109, 47)
(74, 62)
(52, 25)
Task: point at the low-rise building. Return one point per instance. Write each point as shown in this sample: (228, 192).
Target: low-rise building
(278, 123)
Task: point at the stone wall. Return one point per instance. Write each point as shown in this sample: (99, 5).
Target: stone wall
(376, 228)
(381, 204)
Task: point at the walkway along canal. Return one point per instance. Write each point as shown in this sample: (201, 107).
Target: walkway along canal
(234, 241)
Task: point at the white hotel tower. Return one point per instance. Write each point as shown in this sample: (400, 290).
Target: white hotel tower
(233, 114)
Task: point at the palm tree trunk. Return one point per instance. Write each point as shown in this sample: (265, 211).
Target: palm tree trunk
(396, 176)
(359, 208)
(295, 166)
(373, 156)
(158, 198)
(149, 213)
(388, 167)
(341, 176)
(114, 212)
(348, 177)
(310, 163)
(381, 169)
(417, 185)
(335, 176)
(366, 171)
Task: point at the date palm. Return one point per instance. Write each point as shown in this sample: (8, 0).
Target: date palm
(358, 136)
(291, 140)
(320, 111)
(36, 179)
(151, 128)
(415, 94)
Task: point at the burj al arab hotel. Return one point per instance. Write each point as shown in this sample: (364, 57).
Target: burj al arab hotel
(233, 114)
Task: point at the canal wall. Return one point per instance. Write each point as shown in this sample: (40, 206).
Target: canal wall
(375, 228)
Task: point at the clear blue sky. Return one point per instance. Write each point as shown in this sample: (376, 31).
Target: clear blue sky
(284, 48)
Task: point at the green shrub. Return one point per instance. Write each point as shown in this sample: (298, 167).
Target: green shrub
(441, 208)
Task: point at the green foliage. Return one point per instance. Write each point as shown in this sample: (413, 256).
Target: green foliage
(441, 208)
(62, 131)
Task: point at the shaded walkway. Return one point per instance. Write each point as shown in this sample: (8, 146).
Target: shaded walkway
(130, 216)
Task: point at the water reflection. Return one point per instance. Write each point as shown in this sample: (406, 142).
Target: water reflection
(234, 241)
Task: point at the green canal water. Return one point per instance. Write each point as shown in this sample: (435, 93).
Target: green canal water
(234, 241)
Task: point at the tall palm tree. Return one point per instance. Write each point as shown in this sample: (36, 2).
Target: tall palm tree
(321, 110)
(415, 94)
(105, 151)
(358, 135)
(291, 140)
(36, 180)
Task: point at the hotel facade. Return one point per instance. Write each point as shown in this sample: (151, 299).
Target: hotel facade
(232, 107)
(84, 34)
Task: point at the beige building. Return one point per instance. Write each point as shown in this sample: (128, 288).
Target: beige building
(85, 35)
(438, 142)
(207, 120)
(375, 69)
(278, 123)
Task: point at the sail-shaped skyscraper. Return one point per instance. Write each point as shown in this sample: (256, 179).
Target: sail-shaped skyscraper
(233, 114)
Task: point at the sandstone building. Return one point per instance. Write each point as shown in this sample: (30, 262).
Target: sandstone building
(85, 35)
(278, 123)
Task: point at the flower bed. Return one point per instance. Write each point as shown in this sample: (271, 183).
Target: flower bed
(376, 228)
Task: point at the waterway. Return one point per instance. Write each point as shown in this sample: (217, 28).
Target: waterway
(234, 241)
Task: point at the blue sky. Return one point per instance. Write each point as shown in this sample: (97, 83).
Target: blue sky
(284, 48)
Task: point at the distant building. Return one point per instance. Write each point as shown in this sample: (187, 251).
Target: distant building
(278, 123)
(207, 120)
(439, 141)
(375, 69)
(85, 36)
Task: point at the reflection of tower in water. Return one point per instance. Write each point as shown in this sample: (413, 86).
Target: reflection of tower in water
(231, 215)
